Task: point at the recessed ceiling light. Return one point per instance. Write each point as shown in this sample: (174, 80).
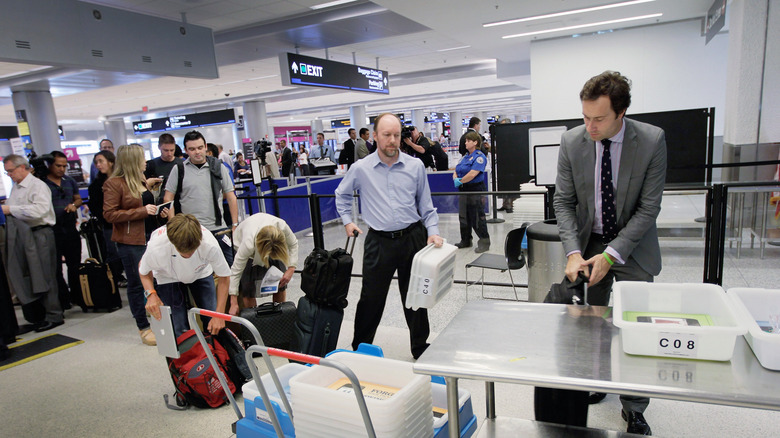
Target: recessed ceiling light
(329, 4)
(564, 13)
(453, 48)
(600, 23)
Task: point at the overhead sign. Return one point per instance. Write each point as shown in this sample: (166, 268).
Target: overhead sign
(187, 121)
(715, 19)
(437, 117)
(316, 72)
(372, 119)
(340, 123)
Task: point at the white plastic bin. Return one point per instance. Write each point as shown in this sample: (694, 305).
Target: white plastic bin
(465, 411)
(433, 271)
(335, 414)
(254, 407)
(712, 342)
(753, 305)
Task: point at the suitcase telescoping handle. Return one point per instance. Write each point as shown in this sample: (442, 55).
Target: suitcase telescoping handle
(354, 239)
(314, 360)
(259, 340)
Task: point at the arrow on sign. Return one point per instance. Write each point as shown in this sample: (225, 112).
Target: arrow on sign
(295, 68)
(385, 81)
(69, 153)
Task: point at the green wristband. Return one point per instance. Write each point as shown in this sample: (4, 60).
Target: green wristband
(609, 260)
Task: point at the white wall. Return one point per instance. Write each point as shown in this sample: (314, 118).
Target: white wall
(669, 66)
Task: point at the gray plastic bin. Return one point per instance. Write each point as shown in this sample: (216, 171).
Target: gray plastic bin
(546, 259)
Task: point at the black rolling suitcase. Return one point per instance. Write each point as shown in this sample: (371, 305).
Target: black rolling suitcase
(317, 329)
(96, 283)
(275, 322)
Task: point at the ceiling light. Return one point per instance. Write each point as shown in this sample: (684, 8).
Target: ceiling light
(601, 23)
(561, 14)
(453, 48)
(329, 4)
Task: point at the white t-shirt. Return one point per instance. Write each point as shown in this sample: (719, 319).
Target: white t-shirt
(168, 266)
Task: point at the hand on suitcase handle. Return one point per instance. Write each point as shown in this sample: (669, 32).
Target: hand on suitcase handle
(352, 230)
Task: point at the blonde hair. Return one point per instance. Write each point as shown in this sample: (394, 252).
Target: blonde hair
(271, 244)
(128, 166)
(184, 233)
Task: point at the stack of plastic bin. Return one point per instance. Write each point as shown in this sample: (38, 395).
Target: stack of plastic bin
(466, 418)
(324, 412)
(254, 408)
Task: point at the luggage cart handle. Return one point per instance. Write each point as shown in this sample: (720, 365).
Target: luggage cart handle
(314, 360)
(259, 340)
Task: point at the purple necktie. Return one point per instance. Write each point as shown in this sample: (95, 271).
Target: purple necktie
(608, 216)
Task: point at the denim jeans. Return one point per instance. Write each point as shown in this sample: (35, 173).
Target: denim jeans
(131, 256)
(175, 295)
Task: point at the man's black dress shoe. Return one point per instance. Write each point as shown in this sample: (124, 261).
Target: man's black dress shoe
(596, 397)
(636, 423)
(462, 244)
(501, 208)
(49, 326)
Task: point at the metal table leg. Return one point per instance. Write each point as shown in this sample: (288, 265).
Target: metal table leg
(452, 406)
(490, 399)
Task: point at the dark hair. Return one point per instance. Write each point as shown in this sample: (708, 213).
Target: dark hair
(474, 136)
(383, 115)
(320, 134)
(474, 121)
(211, 147)
(193, 135)
(58, 154)
(108, 155)
(363, 130)
(350, 130)
(166, 139)
(611, 84)
(178, 152)
(105, 139)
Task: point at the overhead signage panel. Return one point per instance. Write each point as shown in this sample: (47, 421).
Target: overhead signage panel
(187, 121)
(316, 72)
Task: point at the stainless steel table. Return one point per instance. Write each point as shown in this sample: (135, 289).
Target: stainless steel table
(569, 347)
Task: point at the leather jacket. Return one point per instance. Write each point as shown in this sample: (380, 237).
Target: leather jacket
(125, 212)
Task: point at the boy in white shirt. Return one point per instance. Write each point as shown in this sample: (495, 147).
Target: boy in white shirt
(184, 255)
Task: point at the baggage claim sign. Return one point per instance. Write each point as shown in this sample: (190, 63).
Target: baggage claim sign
(316, 72)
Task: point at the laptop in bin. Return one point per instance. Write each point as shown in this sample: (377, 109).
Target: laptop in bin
(163, 331)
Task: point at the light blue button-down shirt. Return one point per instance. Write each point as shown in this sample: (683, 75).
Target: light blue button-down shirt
(392, 197)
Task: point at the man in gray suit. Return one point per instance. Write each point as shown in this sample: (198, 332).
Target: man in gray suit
(611, 174)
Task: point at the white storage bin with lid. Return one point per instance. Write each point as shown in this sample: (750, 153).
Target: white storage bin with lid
(465, 411)
(713, 339)
(254, 407)
(335, 414)
(433, 271)
(754, 305)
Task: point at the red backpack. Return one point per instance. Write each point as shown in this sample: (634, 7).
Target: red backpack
(193, 376)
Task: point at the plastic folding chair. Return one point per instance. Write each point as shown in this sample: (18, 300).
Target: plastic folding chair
(512, 259)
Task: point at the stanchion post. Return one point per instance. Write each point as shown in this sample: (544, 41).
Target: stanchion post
(316, 220)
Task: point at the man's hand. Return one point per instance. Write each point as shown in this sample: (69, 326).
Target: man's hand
(575, 265)
(215, 325)
(351, 228)
(288, 274)
(6, 209)
(166, 212)
(70, 208)
(436, 240)
(153, 304)
(600, 267)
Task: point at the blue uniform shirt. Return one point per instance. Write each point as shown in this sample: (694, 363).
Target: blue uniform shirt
(473, 161)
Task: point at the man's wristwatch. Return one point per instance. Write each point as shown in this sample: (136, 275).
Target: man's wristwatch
(235, 224)
(148, 292)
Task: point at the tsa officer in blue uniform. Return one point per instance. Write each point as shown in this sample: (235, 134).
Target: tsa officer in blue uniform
(470, 177)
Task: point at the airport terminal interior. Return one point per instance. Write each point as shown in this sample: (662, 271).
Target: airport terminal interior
(154, 66)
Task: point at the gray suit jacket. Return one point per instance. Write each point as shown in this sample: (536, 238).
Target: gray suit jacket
(638, 198)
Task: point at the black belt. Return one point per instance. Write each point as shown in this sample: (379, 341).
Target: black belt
(398, 233)
(39, 227)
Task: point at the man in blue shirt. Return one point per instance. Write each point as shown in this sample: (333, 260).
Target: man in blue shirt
(66, 200)
(321, 150)
(396, 205)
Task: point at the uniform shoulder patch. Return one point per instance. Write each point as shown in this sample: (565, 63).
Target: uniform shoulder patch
(480, 160)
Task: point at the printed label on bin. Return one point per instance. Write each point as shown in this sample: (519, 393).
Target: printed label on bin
(260, 414)
(678, 344)
(425, 286)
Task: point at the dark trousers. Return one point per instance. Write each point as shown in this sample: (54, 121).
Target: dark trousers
(226, 245)
(110, 254)
(382, 257)
(68, 244)
(598, 295)
(131, 257)
(175, 295)
(471, 214)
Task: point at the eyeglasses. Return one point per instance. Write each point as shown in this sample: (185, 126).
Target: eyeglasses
(8, 172)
